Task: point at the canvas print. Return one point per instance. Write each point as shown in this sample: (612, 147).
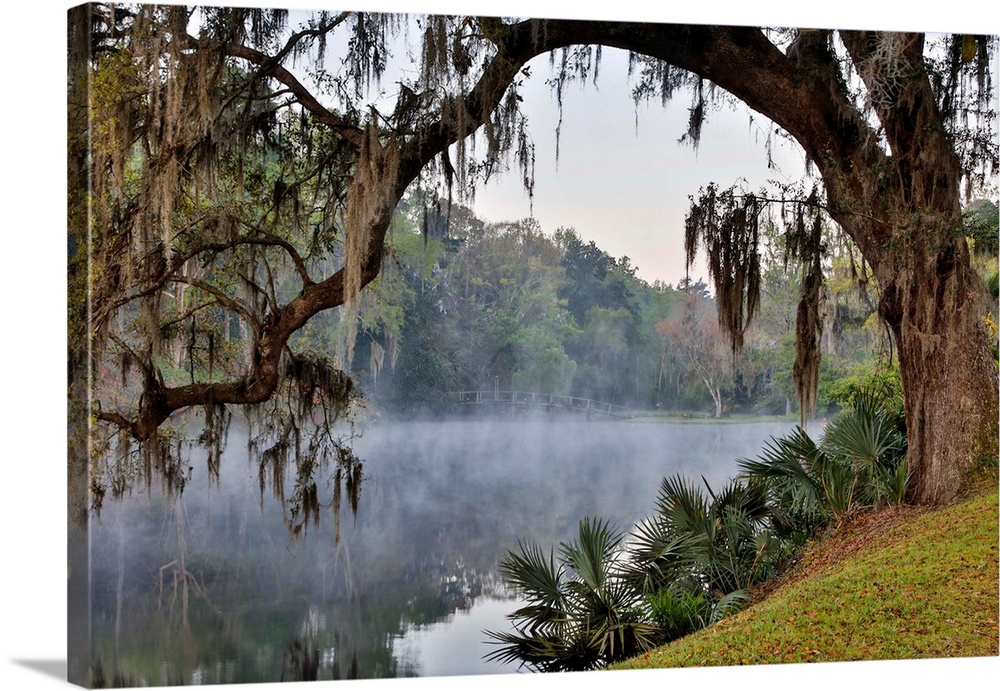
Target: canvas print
(421, 345)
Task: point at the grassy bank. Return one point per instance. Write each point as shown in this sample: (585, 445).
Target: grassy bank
(905, 583)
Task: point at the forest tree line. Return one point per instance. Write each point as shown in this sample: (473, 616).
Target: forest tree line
(464, 304)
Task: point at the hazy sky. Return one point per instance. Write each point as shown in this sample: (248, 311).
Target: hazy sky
(33, 122)
(622, 179)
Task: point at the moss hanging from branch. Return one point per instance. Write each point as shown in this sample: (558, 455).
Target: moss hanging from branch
(804, 242)
(370, 193)
(728, 226)
(808, 334)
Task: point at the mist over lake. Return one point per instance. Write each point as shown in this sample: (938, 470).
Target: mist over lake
(212, 587)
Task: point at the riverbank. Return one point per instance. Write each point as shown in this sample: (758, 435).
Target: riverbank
(704, 418)
(905, 583)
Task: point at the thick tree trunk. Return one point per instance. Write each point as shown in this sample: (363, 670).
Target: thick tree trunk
(936, 311)
(931, 297)
(936, 307)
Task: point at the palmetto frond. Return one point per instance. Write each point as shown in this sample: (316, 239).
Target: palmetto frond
(793, 468)
(681, 505)
(541, 583)
(750, 497)
(582, 612)
(730, 604)
(590, 556)
(543, 653)
(894, 482)
(789, 465)
(840, 485)
(863, 436)
(658, 556)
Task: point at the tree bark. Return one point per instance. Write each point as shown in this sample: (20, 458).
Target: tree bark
(717, 397)
(931, 298)
(936, 312)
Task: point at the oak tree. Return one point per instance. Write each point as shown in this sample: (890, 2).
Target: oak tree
(239, 182)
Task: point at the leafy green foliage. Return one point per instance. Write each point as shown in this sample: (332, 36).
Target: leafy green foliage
(678, 611)
(982, 224)
(580, 613)
(688, 566)
(860, 462)
(721, 541)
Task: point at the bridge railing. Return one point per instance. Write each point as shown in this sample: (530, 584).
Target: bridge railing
(586, 405)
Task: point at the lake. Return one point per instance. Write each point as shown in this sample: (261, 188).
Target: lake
(212, 587)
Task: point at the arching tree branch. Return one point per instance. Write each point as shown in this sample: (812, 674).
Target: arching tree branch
(272, 67)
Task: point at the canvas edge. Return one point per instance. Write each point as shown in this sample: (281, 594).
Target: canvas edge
(78, 574)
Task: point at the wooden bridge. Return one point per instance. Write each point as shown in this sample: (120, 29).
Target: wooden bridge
(515, 400)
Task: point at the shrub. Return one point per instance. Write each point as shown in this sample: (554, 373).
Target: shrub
(676, 612)
(580, 613)
(695, 560)
(860, 462)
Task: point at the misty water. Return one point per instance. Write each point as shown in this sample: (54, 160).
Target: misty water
(211, 587)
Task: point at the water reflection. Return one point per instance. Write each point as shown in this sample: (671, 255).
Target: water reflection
(211, 586)
(455, 645)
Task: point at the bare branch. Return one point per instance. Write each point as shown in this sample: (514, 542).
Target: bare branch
(142, 362)
(116, 419)
(180, 258)
(188, 313)
(322, 30)
(221, 297)
(271, 66)
(269, 239)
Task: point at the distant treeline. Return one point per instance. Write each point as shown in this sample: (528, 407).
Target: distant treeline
(463, 304)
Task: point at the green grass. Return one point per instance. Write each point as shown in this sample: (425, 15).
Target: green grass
(904, 584)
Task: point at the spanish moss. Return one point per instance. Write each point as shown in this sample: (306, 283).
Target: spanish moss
(727, 225)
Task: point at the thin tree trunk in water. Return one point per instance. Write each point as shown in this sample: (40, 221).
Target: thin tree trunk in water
(119, 598)
(659, 385)
(716, 394)
(182, 563)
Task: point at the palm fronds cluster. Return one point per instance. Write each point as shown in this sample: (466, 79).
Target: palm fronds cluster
(607, 595)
